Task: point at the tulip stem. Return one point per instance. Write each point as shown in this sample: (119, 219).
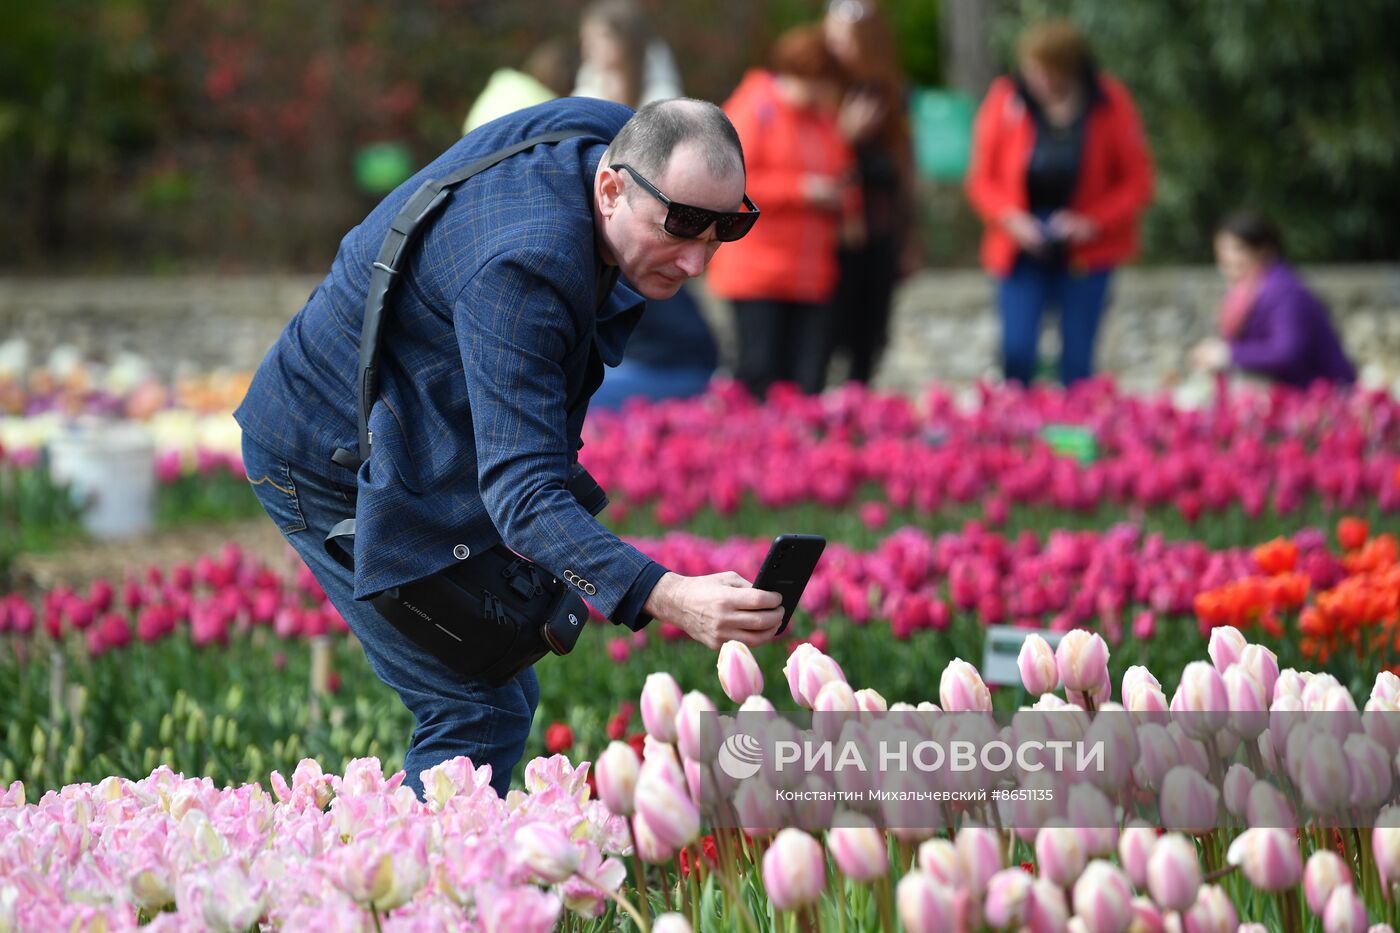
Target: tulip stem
(640, 871)
(1288, 911)
(1219, 873)
(618, 899)
(375, 914)
(885, 896)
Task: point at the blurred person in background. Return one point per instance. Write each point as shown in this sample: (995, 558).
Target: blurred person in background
(1270, 325)
(1060, 173)
(672, 352)
(782, 278)
(548, 73)
(623, 60)
(874, 119)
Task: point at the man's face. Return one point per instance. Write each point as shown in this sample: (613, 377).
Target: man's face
(632, 222)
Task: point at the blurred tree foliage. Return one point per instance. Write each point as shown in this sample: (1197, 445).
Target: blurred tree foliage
(143, 135)
(1289, 106)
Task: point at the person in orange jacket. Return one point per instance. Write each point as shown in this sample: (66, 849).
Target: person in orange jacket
(1060, 174)
(800, 171)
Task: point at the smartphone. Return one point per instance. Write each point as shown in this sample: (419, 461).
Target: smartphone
(786, 569)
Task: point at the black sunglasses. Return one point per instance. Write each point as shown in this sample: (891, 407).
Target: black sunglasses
(688, 222)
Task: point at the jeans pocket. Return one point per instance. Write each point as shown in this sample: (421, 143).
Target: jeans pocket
(272, 483)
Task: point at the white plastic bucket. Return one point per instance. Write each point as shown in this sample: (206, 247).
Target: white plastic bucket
(110, 471)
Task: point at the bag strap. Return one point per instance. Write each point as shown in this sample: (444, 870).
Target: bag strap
(403, 232)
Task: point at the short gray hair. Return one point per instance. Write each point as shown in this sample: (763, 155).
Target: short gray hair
(647, 140)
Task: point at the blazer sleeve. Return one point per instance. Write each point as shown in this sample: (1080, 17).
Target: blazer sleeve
(515, 325)
(989, 195)
(1132, 187)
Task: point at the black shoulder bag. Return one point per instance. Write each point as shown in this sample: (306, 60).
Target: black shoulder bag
(493, 614)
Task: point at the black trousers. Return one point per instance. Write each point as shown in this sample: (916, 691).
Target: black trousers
(860, 329)
(782, 341)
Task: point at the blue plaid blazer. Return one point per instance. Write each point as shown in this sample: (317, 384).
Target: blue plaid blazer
(495, 340)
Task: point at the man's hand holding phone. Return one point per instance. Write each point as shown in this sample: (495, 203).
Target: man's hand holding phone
(716, 608)
(723, 607)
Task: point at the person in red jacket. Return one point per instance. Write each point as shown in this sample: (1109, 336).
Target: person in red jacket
(800, 171)
(1060, 173)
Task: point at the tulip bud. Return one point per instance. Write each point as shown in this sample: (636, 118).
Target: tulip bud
(938, 858)
(869, 700)
(979, 851)
(1059, 855)
(1226, 645)
(663, 799)
(1039, 672)
(615, 775)
(817, 670)
(1385, 844)
(1268, 856)
(1093, 817)
(961, 690)
(1386, 687)
(1267, 806)
(1212, 913)
(925, 906)
(739, 675)
(1007, 892)
(1046, 908)
(1201, 694)
(1147, 918)
(1103, 898)
(1188, 801)
(794, 870)
(859, 849)
(758, 808)
(1135, 845)
(1082, 659)
(1289, 684)
(1262, 665)
(649, 847)
(1369, 765)
(1174, 872)
(1345, 912)
(757, 704)
(1324, 873)
(1135, 675)
(697, 727)
(1239, 781)
(661, 700)
(547, 851)
(792, 669)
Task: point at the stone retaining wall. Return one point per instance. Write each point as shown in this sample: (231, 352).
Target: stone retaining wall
(944, 328)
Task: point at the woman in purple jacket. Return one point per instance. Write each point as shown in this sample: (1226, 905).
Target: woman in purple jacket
(1270, 324)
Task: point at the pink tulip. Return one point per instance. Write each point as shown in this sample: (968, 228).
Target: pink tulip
(758, 808)
(1239, 781)
(859, 849)
(1386, 687)
(514, 909)
(1319, 768)
(615, 775)
(697, 727)
(1059, 855)
(1103, 898)
(1147, 918)
(1135, 844)
(979, 851)
(1173, 872)
(794, 870)
(1007, 892)
(1245, 697)
(663, 800)
(1082, 659)
(925, 906)
(1046, 910)
(961, 689)
(649, 846)
(757, 704)
(1188, 801)
(1385, 845)
(1345, 912)
(1200, 701)
(1267, 806)
(1371, 777)
(1039, 672)
(547, 852)
(1135, 675)
(938, 858)
(739, 675)
(815, 671)
(1226, 645)
(869, 700)
(1324, 873)
(1289, 683)
(1212, 913)
(1268, 857)
(661, 700)
(1262, 665)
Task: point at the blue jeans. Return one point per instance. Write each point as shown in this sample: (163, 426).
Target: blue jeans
(1022, 298)
(453, 716)
(632, 379)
